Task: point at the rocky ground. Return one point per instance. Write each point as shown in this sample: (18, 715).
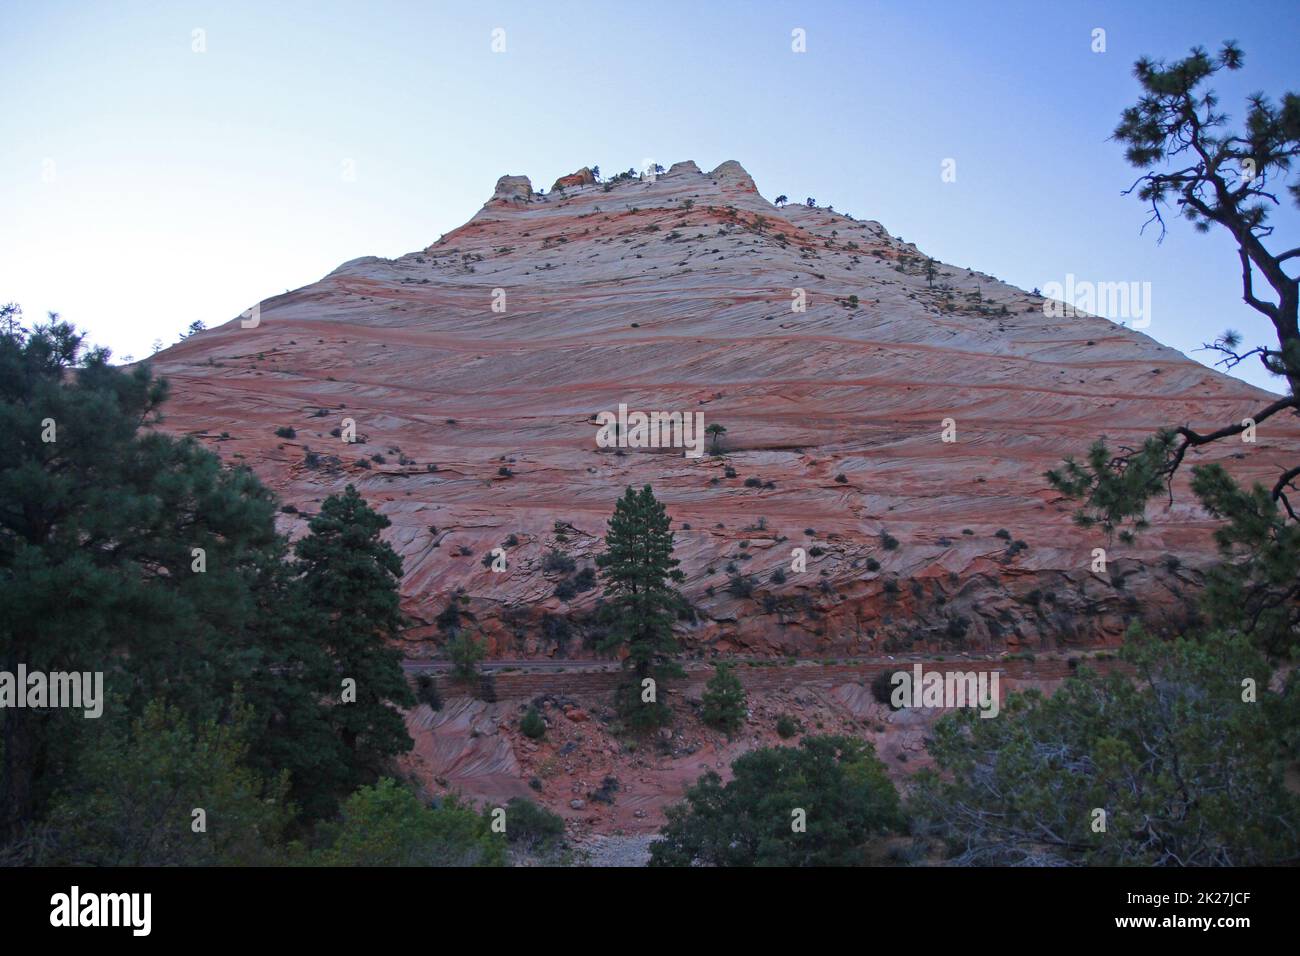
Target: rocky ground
(612, 790)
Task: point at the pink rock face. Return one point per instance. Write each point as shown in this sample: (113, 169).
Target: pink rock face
(583, 177)
(472, 374)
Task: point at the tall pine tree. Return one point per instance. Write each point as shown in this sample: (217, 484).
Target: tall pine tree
(349, 584)
(638, 569)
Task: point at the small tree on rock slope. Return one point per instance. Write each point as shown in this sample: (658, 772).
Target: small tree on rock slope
(638, 569)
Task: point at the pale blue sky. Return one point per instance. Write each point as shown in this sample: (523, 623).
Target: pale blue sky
(190, 185)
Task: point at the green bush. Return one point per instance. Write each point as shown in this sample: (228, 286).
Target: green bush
(465, 652)
(724, 701)
(532, 827)
(532, 724)
(786, 726)
(386, 825)
(838, 782)
(557, 562)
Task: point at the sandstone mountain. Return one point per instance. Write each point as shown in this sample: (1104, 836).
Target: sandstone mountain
(474, 369)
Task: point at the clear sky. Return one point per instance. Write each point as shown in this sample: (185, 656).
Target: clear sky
(144, 185)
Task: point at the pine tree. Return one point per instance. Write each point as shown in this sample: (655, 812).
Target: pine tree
(638, 568)
(122, 551)
(349, 584)
(724, 701)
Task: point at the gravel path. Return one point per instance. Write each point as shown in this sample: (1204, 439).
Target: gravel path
(601, 850)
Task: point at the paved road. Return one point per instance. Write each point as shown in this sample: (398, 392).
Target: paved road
(531, 665)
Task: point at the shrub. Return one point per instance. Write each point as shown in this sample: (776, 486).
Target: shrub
(386, 825)
(557, 562)
(882, 688)
(786, 726)
(465, 652)
(873, 564)
(724, 705)
(746, 822)
(740, 586)
(426, 691)
(531, 826)
(1002, 533)
(532, 725)
(286, 431)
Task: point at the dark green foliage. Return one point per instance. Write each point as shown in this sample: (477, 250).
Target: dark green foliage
(1188, 772)
(640, 603)
(838, 782)
(386, 825)
(426, 691)
(349, 581)
(130, 798)
(531, 827)
(533, 725)
(465, 652)
(1252, 591)
(448, 619)
(1116, 488)
(786, 726)
(286, 431)
(557, 562)
(138, 555)
(741, 586)
(724, 703)
(97, 571)
(882, 688)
